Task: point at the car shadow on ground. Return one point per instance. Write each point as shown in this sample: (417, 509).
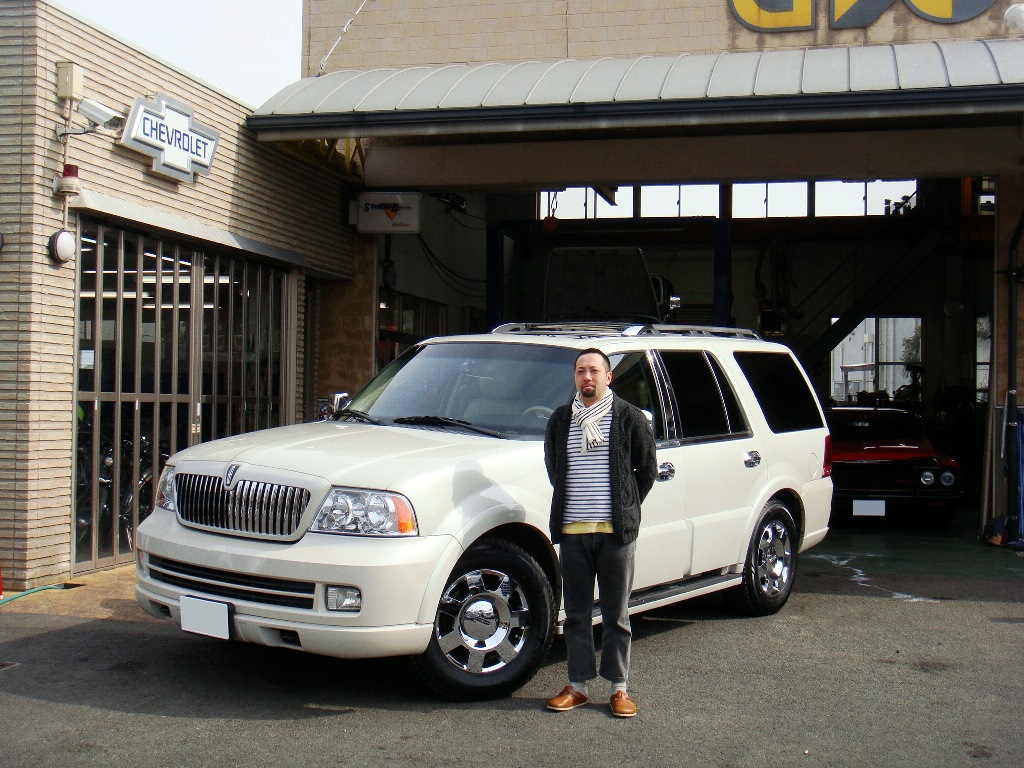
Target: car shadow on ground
(147, 668)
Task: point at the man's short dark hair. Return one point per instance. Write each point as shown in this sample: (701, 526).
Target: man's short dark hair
(594, 351)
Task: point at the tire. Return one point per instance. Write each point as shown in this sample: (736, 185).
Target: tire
(770, 566)
(493, 626)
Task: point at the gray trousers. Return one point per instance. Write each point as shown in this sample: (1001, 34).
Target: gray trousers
(585, 556)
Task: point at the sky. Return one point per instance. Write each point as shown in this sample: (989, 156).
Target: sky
(250, 49)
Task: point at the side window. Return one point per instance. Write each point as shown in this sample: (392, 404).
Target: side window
(706, 403)
(633, 380)
(787, 402)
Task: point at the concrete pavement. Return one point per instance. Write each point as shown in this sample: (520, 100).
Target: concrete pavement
(898, 647)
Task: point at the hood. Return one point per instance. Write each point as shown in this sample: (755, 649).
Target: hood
(345, 453)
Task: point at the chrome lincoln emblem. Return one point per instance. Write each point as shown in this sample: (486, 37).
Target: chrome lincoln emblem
(230, 474)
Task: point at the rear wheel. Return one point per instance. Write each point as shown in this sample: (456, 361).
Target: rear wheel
(770, 566)
(493, 625)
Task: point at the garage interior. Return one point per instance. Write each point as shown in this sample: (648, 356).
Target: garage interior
(947, 117)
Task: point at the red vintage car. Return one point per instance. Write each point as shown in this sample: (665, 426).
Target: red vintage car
(882, 460)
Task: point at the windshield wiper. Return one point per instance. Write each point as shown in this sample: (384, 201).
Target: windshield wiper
(357, 415)
(446, 421)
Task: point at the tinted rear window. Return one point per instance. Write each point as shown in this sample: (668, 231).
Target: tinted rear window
(787, 402)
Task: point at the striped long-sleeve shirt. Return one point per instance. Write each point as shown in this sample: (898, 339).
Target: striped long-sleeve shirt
(588, 493)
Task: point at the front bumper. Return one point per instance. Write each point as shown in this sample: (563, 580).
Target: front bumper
(278, 591)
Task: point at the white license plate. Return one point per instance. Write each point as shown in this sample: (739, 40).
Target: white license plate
(206, 617)
(869, 507)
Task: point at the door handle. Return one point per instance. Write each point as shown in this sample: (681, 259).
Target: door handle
(666, 471)
(751, 459)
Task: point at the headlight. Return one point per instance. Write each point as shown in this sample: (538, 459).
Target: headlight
(927, 477)
(947, 478)
(166, 495)
(365, 513)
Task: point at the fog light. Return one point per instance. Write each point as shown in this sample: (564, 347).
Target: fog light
(947, 478)
(927, 477)
(344, 599)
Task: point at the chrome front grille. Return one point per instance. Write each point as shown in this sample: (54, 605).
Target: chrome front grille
(251, 507)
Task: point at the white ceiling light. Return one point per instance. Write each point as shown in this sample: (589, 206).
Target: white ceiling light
(1014, 17)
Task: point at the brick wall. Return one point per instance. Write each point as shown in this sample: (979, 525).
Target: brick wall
(345, 350)
(407, 32)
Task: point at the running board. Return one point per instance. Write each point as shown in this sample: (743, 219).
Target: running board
(665, 594)
(673, 592)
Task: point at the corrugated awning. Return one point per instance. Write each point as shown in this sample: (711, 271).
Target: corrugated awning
(958, 82)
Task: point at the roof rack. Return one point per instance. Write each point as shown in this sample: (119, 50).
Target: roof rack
(592, 329)
(706, 330)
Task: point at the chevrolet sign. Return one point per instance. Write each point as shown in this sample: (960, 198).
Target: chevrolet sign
(166, 130)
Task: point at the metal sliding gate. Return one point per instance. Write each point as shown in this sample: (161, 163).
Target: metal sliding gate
(175, 346)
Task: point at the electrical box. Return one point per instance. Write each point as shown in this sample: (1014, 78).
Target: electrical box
(70, 80)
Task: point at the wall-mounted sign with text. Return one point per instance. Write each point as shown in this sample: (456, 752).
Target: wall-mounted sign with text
(796, 15)
(389, 213)
(165, 129)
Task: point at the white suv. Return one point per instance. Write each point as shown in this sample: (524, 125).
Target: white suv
(415, 522)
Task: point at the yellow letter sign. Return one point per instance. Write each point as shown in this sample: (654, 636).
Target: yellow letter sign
(774, 15)
(792, 15)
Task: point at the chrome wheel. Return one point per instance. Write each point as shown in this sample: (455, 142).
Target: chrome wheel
(774, 563)
(493, 625)
(771, 564)
(483, 620)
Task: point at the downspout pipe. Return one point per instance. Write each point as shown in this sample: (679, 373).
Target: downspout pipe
(1012, 439)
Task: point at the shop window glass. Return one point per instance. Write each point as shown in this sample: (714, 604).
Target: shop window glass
(403, 320)
(983, 358)
(880, 361)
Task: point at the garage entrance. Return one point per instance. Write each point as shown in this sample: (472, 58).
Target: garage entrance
(911, 293)
(506, 137)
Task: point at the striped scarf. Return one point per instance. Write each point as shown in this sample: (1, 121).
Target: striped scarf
(589, 420)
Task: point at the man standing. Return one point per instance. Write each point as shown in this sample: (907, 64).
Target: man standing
(601, 461)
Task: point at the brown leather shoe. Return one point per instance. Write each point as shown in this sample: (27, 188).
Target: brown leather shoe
(622, 705)
(568, 699)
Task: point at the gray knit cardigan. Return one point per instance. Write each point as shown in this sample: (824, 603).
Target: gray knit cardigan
(633, 460)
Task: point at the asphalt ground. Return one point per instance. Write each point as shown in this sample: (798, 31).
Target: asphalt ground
(900, 646)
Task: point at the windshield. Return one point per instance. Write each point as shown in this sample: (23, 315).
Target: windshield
(508, 388)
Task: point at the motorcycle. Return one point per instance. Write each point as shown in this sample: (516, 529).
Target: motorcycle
(127, 489)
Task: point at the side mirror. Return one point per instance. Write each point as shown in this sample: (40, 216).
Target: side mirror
(329, 408)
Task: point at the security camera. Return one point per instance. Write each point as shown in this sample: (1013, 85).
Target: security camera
(99, 115)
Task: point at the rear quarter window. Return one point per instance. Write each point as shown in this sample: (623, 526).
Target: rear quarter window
(787, 402)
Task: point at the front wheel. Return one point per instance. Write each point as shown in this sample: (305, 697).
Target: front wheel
(493, 626)
(770, 566)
